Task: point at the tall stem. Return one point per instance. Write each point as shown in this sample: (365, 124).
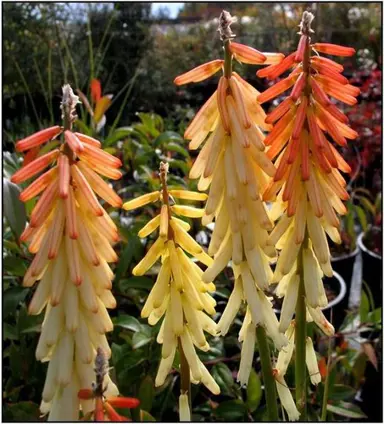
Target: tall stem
(227, 60)
(300, 339)
(266, 369)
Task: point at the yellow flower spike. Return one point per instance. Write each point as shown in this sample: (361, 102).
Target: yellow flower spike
(179, 297)
(141, 201)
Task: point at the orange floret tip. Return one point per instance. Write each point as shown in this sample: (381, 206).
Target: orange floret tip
(85, 394)
(247, 54)
(112, 414)
(276, 89)
(334, 49)
(274, 71)
(277, 113)
(34, 167)
(123, 402)
(200, 73)
(38, 138)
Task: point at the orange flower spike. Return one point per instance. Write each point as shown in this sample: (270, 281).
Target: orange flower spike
(301, 48)
(280, 141)
(300, 118)
(99, 156)
(319, 93)
(293, 149)
(70, 214)
(282, 167)
(274, 71)
(44, 205)
(345, 131)
(73, 142)
(277, 89)
(200, 73)
(34, 167)
(299, 86)
(99, 409)
(87, 140)
(64, 176)
(221, 103)
(247, 54)
(289, 185)
(86, 190)
(243, 113)
(328, 62)
(277, 113)
(334, 49)
(28, 233)
(38, 138)
(38, 185)
(123, 402)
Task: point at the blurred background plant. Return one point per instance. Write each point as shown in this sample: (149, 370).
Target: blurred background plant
(122, 58)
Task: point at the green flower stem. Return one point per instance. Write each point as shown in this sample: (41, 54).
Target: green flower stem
(326, 384)
(227, 60)
(300, 339)
(266, 369)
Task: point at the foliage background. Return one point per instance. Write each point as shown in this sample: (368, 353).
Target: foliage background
(136, 56)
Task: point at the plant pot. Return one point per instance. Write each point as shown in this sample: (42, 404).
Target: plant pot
(372, 269)
(335, 307)
(344, 265)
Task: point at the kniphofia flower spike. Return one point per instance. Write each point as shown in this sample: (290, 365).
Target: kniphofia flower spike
(308, 181)
(233, 163)
(71, 235)
(179, 294)
(308, 188)
(104, 403)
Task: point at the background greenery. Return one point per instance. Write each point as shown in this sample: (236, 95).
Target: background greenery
(136, 56)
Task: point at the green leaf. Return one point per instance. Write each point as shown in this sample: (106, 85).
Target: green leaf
(10, 332)
(368, 205)
(342, 392)
(167, 137)
(83, 127)
(362, 217)
(14, 209)
(231, 410)
(223, 376)
(174, 147)
(144, 283)
(364, 307)
(118, 135)
(254, 392)
(346, 409)
(128, 322)
(11, 299)
(375, 316)
(15, 266)
(140, 339)
(146, 393)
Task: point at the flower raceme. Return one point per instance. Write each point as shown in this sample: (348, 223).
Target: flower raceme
(233, 163)
(179, 294)
(308, 183)
(71, 235)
